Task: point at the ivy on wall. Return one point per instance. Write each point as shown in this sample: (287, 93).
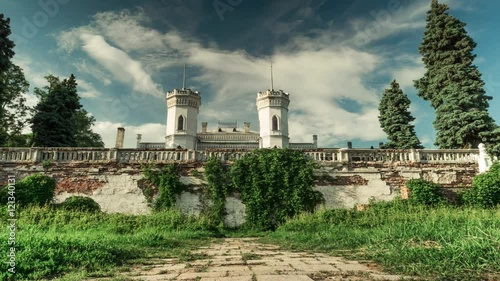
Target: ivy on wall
(167, 180)
(275, 184)
(217, 177)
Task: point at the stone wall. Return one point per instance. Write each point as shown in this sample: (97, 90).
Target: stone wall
(117, 186)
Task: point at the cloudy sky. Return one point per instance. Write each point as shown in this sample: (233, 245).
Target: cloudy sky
(333, 57)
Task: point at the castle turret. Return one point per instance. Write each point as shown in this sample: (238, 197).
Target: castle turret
(182, 118)
(273, 118)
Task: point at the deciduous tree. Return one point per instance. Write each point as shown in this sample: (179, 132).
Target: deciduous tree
(14, 113)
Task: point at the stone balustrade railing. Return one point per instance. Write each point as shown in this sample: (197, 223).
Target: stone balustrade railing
(63, 155)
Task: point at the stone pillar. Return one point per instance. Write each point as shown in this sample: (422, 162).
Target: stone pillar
(483, 161)
(349, 145)
(204, 127)
(246, 127)
(120, 135)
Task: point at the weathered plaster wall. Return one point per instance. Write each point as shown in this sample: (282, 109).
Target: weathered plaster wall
(117, 186)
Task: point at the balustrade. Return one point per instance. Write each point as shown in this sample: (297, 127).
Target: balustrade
(13, 155)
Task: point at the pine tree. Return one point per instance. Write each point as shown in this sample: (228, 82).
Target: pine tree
(53, 123)
(452, 83)
(395, 119)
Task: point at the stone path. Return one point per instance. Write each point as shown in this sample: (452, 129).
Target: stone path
(243, 259)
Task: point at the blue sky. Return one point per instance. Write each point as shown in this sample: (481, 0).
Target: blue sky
(333, 57)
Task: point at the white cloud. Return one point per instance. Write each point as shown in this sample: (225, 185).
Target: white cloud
(317, 72)
(84, 66)
(120, 64)
(89, 91)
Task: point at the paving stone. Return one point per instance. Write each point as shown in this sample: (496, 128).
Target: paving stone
(231, 278)
(240, 268)
(315, 267)
(194, 275)
(225, 263)
(159, 277)
(283, 278)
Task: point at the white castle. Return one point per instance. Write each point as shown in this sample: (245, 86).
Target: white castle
(183, 106)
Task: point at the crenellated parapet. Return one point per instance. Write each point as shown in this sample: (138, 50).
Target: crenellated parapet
(274, 98)
(183, 97)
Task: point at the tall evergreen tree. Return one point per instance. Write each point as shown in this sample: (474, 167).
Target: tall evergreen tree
(452, 83)
(395, 119)
(53, 123)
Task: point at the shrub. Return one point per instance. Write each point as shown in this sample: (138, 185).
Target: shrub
(81, 204)
(36, 189)
(424, 192)
(485, 190)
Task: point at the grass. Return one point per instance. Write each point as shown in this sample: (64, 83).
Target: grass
(440, 243)
(51, 243)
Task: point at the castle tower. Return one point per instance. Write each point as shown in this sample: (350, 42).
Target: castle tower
(183, 107)
(182, 118)
(273, 118)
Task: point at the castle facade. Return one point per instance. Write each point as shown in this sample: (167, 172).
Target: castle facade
(183, 107)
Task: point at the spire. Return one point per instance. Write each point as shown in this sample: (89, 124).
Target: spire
(184, 81)
(272, 82)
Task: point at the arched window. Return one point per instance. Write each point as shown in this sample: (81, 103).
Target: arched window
(180, 123)
(275, 123)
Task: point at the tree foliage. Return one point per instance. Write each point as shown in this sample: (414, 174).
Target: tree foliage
(84, 136)
(14, 114)
(452, 83)
(275, 184)
(6, 45)
(395, 119)
(54, 123)
(59, 118)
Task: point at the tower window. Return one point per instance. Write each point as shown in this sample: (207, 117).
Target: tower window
(180, 123)
(275, 123)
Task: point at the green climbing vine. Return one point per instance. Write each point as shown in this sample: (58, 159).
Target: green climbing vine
(275, 184)
(217, 177)
(167, 181)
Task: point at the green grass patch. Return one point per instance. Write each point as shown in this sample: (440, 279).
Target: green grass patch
(52, 242)
(439, 243)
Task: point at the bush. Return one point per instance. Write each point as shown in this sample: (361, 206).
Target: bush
(425, 192)
(81, 204)
(485, 190)
(36, 189)
(275, 184)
